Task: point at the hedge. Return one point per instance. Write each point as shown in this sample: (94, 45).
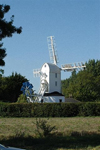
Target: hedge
(49, 109)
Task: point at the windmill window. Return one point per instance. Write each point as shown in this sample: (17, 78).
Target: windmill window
(55, 83)
(55, 75)
(60, 100)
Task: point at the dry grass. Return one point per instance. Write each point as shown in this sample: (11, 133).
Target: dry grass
(75, 133)
(26, 126)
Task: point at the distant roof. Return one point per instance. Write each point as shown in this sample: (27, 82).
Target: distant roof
(71, 100)
(53, 94)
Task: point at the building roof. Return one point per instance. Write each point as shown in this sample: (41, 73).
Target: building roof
(52, 67)
(53, 94)
(71, 100)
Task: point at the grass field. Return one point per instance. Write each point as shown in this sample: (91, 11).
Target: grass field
(73, 133)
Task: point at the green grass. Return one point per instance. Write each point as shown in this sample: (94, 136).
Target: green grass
(74, 133)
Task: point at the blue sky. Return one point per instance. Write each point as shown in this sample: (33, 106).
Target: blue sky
(74, 23)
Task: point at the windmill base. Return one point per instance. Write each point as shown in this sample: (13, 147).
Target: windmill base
(54, 97)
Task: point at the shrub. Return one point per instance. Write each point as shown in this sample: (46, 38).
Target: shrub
(22, 99)
(69, 110)
(49, 109)
(43, 129)
(89, 109)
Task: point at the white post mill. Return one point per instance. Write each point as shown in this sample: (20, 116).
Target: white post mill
(50, 76)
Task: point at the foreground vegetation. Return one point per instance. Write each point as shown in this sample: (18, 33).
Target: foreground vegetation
(73, 133)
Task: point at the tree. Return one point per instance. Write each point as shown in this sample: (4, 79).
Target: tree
(93, 67)
(7, 29)
(10, 87)
(85, 85)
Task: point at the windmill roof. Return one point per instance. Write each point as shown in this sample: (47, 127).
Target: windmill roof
(52, 67)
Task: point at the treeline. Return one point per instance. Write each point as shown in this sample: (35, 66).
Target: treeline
(85, 84)
(10, 87)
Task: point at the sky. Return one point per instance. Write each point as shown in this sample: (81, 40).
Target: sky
(75, 24)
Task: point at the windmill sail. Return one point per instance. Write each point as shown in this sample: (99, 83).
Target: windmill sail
(73, 66)
(52, 50)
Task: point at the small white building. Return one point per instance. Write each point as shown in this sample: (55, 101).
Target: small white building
(53, 97)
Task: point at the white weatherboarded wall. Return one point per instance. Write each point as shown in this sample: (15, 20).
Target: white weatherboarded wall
(53, 78)
(53, 99)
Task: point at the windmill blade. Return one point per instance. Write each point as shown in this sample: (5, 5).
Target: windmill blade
(73, 66)
(22, 89)
(28, 85)
(27, 88)
(31, 86)
(31, 91)
(52, 50)
(24, 85)
(37, 72)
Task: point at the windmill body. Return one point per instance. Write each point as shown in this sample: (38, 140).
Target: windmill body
(50, 84)
(50, 76)
(53, 77)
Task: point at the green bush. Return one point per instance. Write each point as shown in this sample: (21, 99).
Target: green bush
(22, 99)
(49, 109)
(89, 109)
(43, 128)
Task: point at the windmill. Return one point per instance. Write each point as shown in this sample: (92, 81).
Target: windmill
(27, 90)
(50, 75)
